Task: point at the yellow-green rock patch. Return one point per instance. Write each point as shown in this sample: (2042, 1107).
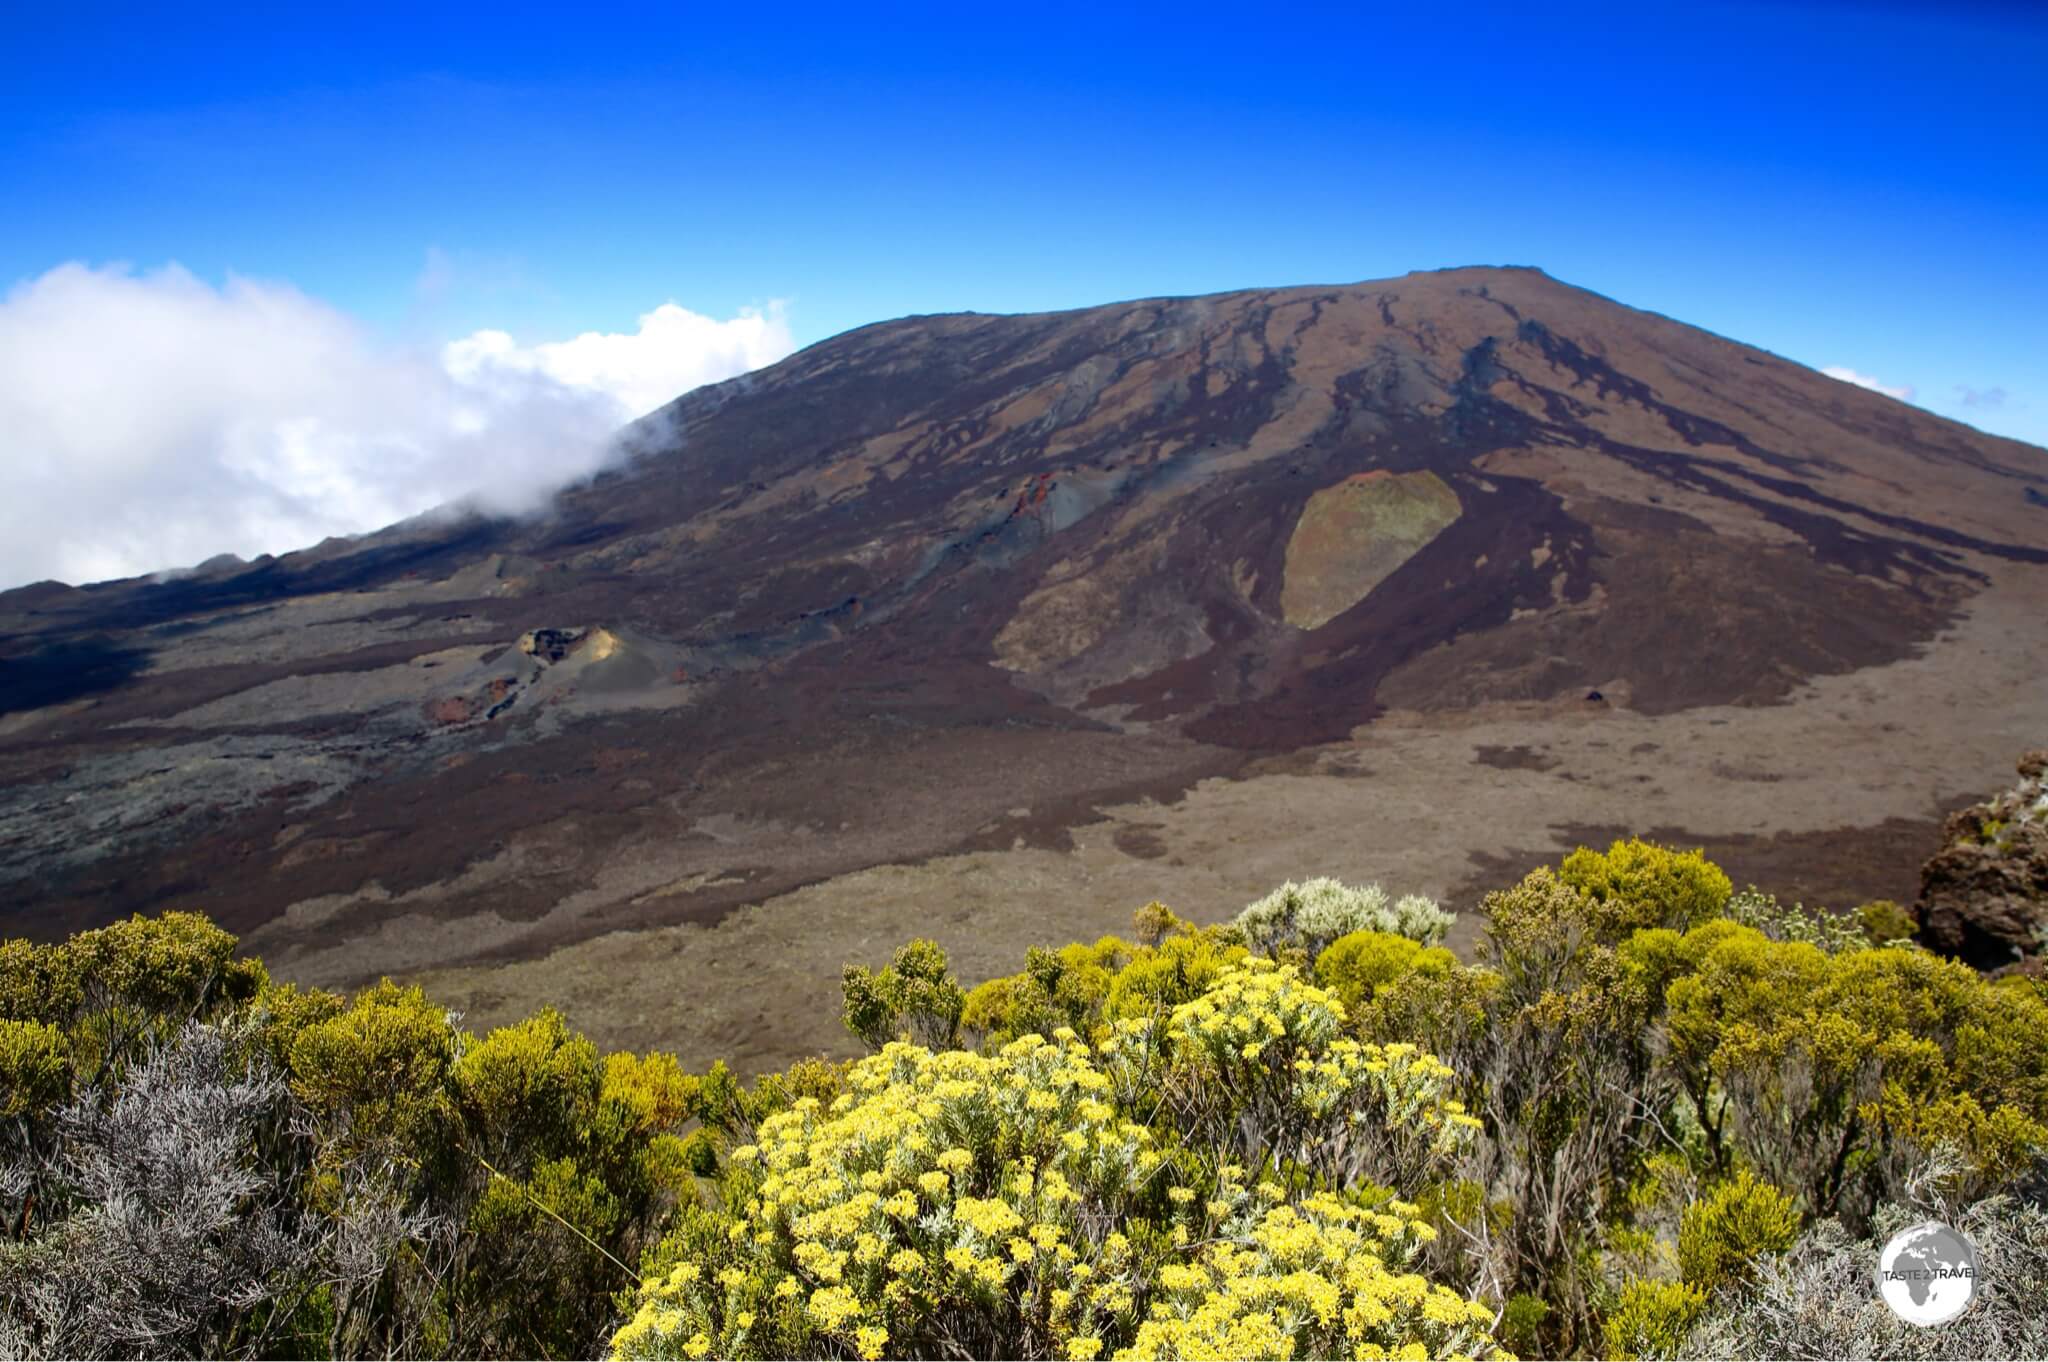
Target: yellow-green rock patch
(1351, 537)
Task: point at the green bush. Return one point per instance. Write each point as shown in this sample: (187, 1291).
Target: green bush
(1522, 1322)
(1831, 1074)
(1738, 1223)
(1059, 988)
(914, 996)
(1885, 923)
(1396, 989)
(379, 1074)
(1178, 970)
(1652, 1319)
(1360, 964)
(1570, 1086)
(35, 1069)
(1638, 884)
(1089, 987)
(38, 983)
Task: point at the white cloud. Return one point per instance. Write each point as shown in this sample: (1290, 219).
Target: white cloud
(152, 420)
(1848, 375)
(673, 351)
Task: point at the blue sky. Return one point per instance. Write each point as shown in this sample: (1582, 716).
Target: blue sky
(1857, 185)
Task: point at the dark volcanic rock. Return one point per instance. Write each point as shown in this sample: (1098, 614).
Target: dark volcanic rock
(1984, 895)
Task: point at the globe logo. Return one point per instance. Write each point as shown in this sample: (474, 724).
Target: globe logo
(1928, 1274)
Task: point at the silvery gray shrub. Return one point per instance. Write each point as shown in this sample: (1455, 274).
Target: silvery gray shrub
(1310, 915)
(180, 1231)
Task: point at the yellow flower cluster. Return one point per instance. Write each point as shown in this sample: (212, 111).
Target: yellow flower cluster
(1008, 1201)
(1265, 1037)
(1256, 1004)
(1311, 1281)
(939, 1177)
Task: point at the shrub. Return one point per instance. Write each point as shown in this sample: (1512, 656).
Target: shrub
(1537, 931)
(1057, 1199)
(182, 1236)
(117, 990)
(1395, 989)
(378, 1076)
(1059, 988)
(1638, 884)
(1652, 1319)
(1568, 1082)
(914, 997)
(1817, 1301)
(1155, 922)
(1308, 1282)
(1739, 1223)
(1358, 965)
(1725, 981)
(1831, 932)
(532, 1084)
(1089, 987)
(1832, 1074)
(163, 966)
(1309, 916)
(1178, 970)
(568, 1172)
(1521, 1323)
(38, 983)
(1260, 1066)
(35, 1069)
(1885, 923)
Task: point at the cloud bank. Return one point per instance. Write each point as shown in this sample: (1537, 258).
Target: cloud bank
(1848, 375)
(152, 420)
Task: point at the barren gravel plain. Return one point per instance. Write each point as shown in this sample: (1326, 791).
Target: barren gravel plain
(1834, 796)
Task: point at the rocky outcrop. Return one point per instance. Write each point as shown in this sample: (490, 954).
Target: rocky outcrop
(1984, 895)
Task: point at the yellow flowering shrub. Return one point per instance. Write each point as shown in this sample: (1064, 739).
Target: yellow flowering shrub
(1046, 1200)
(1262, 1064)
(946, 1199)
(1311, 1281)
(1090, 987)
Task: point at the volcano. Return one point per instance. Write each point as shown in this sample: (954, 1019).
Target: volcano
(993, 627)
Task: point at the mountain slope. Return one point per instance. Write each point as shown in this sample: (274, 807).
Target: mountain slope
(954, 582)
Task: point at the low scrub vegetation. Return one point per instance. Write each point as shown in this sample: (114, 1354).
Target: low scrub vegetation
(1651, 1116)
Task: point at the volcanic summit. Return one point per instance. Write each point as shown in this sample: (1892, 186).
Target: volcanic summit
(976, 624)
